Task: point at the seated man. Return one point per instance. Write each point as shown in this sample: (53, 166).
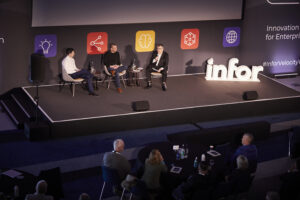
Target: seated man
(113, 64)
(68, 64)
(197, 186)
(40, 192)
(158, 63)
(248, 150)
(117, 161)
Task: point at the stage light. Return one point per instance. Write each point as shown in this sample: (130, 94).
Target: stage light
(242, 72)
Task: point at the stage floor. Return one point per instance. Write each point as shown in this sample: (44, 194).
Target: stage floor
(184, 92)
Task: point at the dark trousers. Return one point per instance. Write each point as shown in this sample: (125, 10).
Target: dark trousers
(149, 70)
(85, 74)
(117, 77)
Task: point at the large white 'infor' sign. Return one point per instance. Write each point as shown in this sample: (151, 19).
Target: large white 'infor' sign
(242, 72)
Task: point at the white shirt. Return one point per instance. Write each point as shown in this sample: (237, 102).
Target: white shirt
(159, 56)
(68, 64)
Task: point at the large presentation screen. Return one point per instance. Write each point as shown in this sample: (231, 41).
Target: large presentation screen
(98, 12)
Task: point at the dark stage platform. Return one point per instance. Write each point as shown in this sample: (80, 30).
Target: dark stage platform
(189, 99)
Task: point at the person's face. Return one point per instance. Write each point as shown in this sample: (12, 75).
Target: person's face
(159, 49)
(114, 48)
(122, 146)
(245, 140)
(72, 54)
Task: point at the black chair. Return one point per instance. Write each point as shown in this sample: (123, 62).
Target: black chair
(110, 176)
(53, 179)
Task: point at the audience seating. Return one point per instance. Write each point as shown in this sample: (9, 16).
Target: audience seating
(110, 176)
(226, 134)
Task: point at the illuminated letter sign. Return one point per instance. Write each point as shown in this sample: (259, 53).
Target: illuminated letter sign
(242, 72)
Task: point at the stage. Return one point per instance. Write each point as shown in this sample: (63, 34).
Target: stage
(189, 99)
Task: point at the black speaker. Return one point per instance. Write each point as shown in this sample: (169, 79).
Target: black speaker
(250, 95)
(140, 105)
(38, 65)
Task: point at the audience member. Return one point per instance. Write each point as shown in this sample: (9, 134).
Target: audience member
(197, 186)
(40, 192)
(154, 165)
(248, 150)
(291, 182)
(116, 160)
(84, 196)
(240, 179)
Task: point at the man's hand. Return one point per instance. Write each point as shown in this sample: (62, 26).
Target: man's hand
(160, 69)
(114, 66)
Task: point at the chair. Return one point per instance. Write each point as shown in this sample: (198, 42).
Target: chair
(109, 76)
(66, 78)
(110, 176)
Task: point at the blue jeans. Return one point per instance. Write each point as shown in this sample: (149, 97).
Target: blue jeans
(117, 77)
(85, 74)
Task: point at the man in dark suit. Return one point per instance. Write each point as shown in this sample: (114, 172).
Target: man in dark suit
(158, 63)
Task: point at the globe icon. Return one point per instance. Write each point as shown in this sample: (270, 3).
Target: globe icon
(231, 36)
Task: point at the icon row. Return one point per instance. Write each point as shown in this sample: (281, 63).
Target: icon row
(97, 42)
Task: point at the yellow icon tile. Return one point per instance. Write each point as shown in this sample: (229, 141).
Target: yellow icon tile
(144, 41)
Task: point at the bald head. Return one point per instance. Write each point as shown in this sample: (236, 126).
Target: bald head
(247, 139)
(119, 145)
(41, 187)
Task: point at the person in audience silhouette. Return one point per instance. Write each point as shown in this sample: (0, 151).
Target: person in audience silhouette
(197, 186)
(290, 182)
(116, 160)
(84, 196)
(240, 179)
(154, 166)
(40, 192)
(249, 150)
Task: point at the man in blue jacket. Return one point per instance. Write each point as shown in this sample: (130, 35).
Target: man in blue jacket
(248, 150)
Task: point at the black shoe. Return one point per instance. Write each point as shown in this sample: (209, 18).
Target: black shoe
(93, 94)
(164, 86)
(149, 85)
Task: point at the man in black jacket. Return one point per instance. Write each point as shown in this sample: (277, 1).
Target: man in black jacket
(113, 64)
(197, 186)
(158, 63)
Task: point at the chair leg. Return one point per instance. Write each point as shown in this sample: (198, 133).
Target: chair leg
(108, 84)
(102, 191)
(130, 196)
(73, 89)
(123, 82)
(122, 193)
(61, 85)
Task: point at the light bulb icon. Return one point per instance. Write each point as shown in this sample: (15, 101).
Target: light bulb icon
(45, 46)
